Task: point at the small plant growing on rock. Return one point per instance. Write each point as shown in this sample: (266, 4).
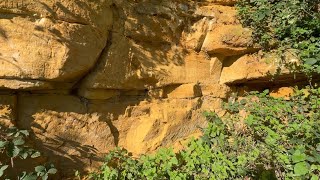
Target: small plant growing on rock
(12, 147)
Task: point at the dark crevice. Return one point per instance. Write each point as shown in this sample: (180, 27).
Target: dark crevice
(100, 58)
(74, 89)
(114, 131)
(33, 80)
(260, 85)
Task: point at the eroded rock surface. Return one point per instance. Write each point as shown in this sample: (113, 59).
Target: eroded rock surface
(57, 41)
(87, 76)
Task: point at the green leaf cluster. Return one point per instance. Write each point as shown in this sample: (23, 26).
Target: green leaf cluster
(13, 146)
(286, 25)
(286, 132)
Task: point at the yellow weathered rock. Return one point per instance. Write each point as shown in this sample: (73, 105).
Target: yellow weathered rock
(51, 40)
(228, 40)
(87, 76)
(185, 91)
(282, 92)
(253, 68)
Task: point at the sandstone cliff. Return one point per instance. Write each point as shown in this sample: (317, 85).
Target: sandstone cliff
(87, 76)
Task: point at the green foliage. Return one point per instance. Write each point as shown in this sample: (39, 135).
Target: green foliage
(45, 171)
(285, 25)
(12, 144)
(286, 132)
(260, 138)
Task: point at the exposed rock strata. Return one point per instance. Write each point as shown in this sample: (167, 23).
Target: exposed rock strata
(87, 76)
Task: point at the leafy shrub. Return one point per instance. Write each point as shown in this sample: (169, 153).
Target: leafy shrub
(286, 133)
(12, 144)
(261, 138)
(285, 25)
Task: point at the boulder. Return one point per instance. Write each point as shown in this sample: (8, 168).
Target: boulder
(51, 41)
(259, 69)
(228, 40)
(185, 91)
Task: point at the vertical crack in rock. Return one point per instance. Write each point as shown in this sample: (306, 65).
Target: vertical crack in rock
(100, 58)
(77, 85)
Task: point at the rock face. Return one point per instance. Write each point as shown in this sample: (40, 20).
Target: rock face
(58, 41)
(87, 76)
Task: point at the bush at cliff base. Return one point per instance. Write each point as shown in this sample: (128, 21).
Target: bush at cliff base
(261, 137)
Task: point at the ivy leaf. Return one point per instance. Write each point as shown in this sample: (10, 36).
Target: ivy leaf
(314, 177)
(25, 132)
(17, 134)
(3, 144)
(311, 61)
(35, 155)
(52, 171)
(311, 159)
(2, 169)
(18, 141)
(16, 151)
(318, 147)
(39, 168)
(13, 151)
(24, 155)
(10, 134)
(316, 156)
(45, 177)
(302, 168)
(298, 156)
(261, 16)
(29, 176)
(318, 69)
